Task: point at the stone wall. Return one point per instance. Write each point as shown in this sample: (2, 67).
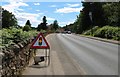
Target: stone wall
(16, 58)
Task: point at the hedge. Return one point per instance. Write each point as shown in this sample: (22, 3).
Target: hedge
(108, 32)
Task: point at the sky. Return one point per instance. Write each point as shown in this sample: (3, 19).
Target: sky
(64, 12)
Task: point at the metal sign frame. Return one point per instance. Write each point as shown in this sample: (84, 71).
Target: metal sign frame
(47, 47)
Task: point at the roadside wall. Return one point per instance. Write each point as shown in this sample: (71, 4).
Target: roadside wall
(16, 57)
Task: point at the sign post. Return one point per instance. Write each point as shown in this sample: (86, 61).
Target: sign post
(41, 43)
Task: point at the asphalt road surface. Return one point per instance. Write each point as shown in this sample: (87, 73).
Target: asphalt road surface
(93, 57)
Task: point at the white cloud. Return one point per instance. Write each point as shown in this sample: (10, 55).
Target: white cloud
(36, 3)
(12, 7)
(20, 14)
(23, 17)
(73, 5)
(68, 10)
(53, 6)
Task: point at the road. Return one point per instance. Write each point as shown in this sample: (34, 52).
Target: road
(92, 57)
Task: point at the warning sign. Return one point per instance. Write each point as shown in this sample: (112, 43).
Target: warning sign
(40, 42)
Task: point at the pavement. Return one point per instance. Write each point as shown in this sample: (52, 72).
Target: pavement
(42, 69)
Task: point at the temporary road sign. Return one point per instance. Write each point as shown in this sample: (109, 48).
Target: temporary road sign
(40, 42)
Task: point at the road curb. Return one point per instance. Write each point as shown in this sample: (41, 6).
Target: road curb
(101, 39)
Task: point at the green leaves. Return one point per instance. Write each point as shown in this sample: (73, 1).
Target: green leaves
(111, 11)
(102, 14)
(55, 24)
(14, 35)
(8, 19)
(43, 25)
(108, 32)
(26, 28)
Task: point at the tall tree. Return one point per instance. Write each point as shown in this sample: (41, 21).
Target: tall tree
(44, 24)
(98, 18)
(28, 23)
(119, 15)
(44, 20)
(85, 18)
(55, 24)
(8, 19)
(112, 13)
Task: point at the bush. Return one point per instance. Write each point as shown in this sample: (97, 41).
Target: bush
(14, 35)
(94, 29)
(101, 32)
(108, 32)
(26, 28)
(87, 32)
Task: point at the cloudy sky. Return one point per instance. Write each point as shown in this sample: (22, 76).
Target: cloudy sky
(64, 12)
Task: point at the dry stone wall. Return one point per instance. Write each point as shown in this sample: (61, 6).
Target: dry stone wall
(16, 57)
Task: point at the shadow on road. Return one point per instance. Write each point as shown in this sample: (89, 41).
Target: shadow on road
(37, 66)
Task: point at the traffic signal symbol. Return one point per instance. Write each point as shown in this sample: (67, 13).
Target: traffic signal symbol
(40, 41)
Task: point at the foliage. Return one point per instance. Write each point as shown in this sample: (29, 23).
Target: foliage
(108, 32)
(26, 28)
(102, 14)
(14, 35)
(28, 23)
(8, 19)
(55, 25)
(111, 13)
(43, 31)
(43, 25)
(88, 32)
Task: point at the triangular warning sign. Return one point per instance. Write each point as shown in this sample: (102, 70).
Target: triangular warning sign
(40, 42)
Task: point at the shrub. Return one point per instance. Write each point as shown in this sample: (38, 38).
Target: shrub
(101, 32)
(26, 28)
(108, 32)
(89, 31)
(14, 35)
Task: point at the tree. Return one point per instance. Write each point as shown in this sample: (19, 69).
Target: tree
(55, 25)
(28, 23)
(85, 19)
(26, 28)
(119, 15)
(8, 19)
(111, 11)
(98, 17)
(80, 23)
(43, 25)
(39, 28)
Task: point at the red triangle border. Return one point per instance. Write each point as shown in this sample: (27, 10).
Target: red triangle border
(40, 47)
